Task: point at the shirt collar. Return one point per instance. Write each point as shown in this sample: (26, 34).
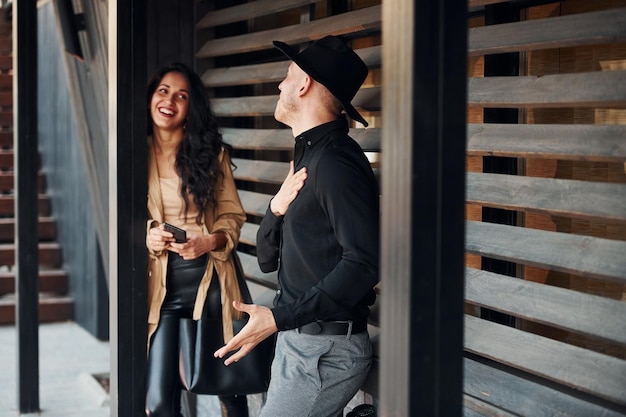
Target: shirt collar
(314, 134)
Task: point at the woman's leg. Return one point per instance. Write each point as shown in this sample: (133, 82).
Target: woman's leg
(163, 382)
(234, 405)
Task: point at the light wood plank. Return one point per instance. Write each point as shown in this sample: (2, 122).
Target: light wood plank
(596, 374)
(598, 143)
(260, 171)
(603, 27)
(535, 396)
(254, 203)
(271, 71)
(560, 197)
(585, 256)
(253, 272)
(248, 11)
(248, 233)
(591, 89)
(585, 314)
(366, 98)
(345, 23)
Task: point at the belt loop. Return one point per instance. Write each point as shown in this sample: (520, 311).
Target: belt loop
(349, 329)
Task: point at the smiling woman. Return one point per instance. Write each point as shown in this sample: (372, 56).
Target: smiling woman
(190, 187)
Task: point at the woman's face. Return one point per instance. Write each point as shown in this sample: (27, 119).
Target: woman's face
(170, 102)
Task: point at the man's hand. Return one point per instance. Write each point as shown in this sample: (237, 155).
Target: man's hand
(288, 191)
(260, 326)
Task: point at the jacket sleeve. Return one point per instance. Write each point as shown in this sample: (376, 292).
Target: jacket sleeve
(229, 215)
(268, 241)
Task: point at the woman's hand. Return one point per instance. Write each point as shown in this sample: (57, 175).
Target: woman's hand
(159, 239)
(198, 244)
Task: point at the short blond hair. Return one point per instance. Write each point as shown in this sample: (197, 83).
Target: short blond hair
(331, 102)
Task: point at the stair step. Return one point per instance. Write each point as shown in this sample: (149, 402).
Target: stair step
(6, 84)
(47, 229)
(6, 139)
(6, 119)
(6, 46)
(7, 157)
(49, 254)
(51, 309)
(7, 182)
(6, 97)
(6, 63)
(7, 205)
(54, 281)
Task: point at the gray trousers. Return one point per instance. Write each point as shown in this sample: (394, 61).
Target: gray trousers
(316, 376)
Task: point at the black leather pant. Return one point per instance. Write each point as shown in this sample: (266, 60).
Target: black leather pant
(163, 381)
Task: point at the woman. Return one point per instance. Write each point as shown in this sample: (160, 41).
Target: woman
(191, 186)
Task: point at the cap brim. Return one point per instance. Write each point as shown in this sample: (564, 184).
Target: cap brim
(294, 55)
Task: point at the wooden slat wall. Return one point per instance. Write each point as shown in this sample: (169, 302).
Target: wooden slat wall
(567, 352)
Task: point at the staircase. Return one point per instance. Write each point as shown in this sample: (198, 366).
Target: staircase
(54, 303)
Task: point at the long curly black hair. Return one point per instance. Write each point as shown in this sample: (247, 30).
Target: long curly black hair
(197, 156)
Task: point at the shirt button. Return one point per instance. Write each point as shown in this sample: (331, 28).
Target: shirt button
(278, 292)
(308, 142)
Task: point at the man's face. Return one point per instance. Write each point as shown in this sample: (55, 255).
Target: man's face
(287, 105)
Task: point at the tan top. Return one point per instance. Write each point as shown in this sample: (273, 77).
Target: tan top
(173, 206)
(227, 217)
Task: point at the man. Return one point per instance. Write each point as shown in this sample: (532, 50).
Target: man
(321, 231)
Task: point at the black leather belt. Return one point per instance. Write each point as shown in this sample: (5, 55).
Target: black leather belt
(333, 328)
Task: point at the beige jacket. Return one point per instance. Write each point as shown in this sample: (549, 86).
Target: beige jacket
(228, 216)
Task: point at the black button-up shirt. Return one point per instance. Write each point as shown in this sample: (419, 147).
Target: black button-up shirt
(326, 247)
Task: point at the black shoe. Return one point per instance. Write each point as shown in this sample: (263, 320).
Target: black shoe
(363, 410)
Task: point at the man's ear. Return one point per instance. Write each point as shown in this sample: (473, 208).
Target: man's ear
(307, 83)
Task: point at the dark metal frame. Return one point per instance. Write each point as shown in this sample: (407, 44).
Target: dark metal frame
(26, 204)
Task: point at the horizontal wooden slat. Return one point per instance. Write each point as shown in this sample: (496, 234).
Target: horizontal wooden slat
(365, 98)
(253, 272)
(257, 170)
(248, 11)
(475, 407)
(538, 398)
(582, 29)
(590, 89)
(573, 366)
(272, 71)
(581, 255)
(599, 143)
(248, 233)
(594, 89)
(560, 197)
(254, 203)
(356, 21)
(586, 314)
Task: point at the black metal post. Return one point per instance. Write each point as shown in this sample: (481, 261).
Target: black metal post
(423, 207)
(26, 209)
(127, 203)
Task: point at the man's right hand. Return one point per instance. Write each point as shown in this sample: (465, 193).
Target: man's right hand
(288, 191)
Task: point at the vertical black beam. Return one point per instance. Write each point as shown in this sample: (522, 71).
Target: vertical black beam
(127, 204)
(26, 209)
(423, 199)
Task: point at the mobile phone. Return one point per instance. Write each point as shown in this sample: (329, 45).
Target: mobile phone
(179, 234)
